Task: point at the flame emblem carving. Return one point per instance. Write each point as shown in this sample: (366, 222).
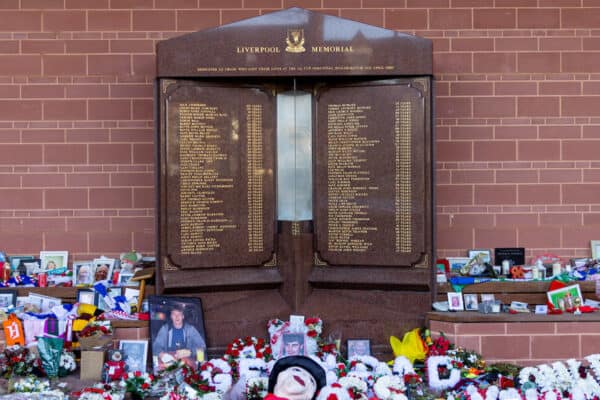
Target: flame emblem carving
(295, 41)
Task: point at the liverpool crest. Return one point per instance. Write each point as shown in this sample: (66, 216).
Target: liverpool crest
(295, 41)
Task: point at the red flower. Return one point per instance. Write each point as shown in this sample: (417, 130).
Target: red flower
(235, 353)
(311, 321)
(311, 333)
(137, 374)
(145, 386)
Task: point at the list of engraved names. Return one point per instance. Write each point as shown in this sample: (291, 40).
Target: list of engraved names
(349, 182)
(203, 187)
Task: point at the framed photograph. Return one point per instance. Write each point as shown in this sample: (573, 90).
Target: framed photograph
(595, 244)
(487, 297)
(455, 301)
(471, 303)
(83, 273)
(54, 261)
(15, 261)
(560, 296)
(31, 267)
(8, 298)
(485, 254)
(125, 280)
(45, 303)
(177, 331)
(456, 263)
(135, 353)
(103, 268)
(358, 347)
(101, 303)
(86, 296)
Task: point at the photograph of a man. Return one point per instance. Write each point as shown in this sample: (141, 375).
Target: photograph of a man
(293, 344)
(177, 332)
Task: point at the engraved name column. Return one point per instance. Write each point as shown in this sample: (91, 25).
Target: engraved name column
(255, 177)
(202, 186)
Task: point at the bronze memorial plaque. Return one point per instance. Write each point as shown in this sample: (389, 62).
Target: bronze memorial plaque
(366, 183)
(220, 188)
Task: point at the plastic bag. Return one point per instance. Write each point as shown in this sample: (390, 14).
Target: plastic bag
(50, 350)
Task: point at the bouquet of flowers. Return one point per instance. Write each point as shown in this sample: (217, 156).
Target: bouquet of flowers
(99, 392)
(30, 384)
(138, 384)
(67, 363)
(256, 388)
(248, 347)
(21, 361)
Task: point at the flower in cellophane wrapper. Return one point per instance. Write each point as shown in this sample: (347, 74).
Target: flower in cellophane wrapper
(50, 350)
(30, 384)
(21, 361)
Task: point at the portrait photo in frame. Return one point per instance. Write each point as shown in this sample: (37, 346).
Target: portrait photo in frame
(83, 273)
(125, 280)
(455, 301)
(8, 298)
(285, 336)
(358, 347)
(45, 303)
(471, 303)
(54, 262)
(103, 268)
(17, 260)
(101, 303)
(177, 331)
(135, 353)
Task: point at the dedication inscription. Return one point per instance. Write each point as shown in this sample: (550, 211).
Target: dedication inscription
(364, 213)
(221, 174)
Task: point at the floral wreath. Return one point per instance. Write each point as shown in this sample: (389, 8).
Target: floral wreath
(218, 374)
(433, 375)
(139, 383)
(530, 377)
(247, 348)
(402, 366)
(97, 393)
(390, 387)
(335, 391)
(311, 329)
(355, 386)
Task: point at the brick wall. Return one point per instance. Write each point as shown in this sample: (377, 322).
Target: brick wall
(523, 343)
(518, 117)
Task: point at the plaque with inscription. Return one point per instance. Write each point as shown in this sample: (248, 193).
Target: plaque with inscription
(368, 191)
(219, 184)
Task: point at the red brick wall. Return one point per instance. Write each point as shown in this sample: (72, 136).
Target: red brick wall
(518, 117)
(529, 343)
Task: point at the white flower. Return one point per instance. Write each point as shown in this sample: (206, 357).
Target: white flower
(402, 366)
(212, 396)
(492, 393)
(388, 387)
(509, 394)
(353, 382)
(531, 394)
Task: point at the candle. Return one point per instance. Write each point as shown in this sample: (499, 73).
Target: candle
(556, 268)
(505, 267)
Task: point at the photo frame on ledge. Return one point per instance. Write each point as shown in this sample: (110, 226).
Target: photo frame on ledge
(103, 268)
(595, 245)
(298, 336)
(54, 262)
(358, 347)
(167, 314)
(455, 301)
(135, 354)
(8, 298)
(83, 273)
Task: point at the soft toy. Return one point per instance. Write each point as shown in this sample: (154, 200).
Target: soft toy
(296, 378)
(114, 368)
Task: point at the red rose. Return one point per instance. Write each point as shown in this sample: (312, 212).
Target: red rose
(311, 333)
(145, 386)
(137, 374)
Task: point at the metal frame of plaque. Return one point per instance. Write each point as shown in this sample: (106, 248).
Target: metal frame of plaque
(370, 241)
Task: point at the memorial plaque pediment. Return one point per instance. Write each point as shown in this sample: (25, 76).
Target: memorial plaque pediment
(294, 42)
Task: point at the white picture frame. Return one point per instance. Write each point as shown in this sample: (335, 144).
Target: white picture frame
(471, 303)
(125, 280)
(455, 301)
(103, 269)
(54, 261)
(45, 303)
(135, 354)
(83, 273)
